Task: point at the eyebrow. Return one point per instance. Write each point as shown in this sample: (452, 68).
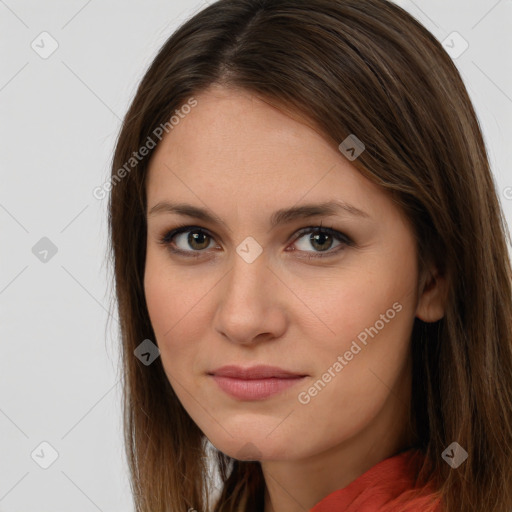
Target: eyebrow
(281, 216)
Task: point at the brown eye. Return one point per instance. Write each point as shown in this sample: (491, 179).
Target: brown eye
(197, 240)
(321, 239)
(192, 241)
(187, 240)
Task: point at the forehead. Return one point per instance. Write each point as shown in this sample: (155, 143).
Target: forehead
(235, 148)
(232, 125)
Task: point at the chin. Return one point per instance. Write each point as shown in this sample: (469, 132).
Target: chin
(256, 448)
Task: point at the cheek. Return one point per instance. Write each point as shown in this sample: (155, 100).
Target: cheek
(343, 308)
(175, 318)
(369, 314)
(346, 396)
(176, 306)
(160, 297)
(166, 304)
(168, 296)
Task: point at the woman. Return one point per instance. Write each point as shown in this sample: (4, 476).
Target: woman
(304, 222)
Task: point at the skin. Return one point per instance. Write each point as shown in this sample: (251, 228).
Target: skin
(242, 159)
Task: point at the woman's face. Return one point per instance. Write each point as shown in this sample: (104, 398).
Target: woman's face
(335, 309)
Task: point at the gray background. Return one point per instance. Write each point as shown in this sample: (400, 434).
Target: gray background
(59, 118)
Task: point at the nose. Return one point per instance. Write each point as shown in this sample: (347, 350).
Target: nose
(251, 303)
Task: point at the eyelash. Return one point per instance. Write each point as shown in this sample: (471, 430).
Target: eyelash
(166, 239)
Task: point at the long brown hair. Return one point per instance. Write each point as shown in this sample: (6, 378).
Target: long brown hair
(348, 67)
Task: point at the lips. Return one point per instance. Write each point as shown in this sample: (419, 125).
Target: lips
(255, 382)
(255, 372)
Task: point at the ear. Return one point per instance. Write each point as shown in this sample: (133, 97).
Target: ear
(432, 297)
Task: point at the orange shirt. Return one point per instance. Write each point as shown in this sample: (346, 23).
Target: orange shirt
(386, 487)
